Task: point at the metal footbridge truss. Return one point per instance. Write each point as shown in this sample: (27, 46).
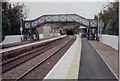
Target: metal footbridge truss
(31, 25)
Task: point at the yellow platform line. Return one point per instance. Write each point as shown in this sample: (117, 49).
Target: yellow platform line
(74, 68)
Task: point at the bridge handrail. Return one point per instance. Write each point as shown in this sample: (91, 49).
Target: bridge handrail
(43, 19)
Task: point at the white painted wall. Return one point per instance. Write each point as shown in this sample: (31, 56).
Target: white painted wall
(11, 39)
(17, 38)
(55, 34)
(110, 40)
(40, 36)
(46, 32)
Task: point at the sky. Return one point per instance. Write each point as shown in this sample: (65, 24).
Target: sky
(85, 9)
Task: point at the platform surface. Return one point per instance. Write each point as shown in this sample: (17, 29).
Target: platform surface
(68, 66)
(20, 46)
(82, 62)
(91, 65)
(109, 55)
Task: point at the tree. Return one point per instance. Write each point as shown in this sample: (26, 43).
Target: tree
(110, 18)
(108, 28)
(11, 16)
(5, 26)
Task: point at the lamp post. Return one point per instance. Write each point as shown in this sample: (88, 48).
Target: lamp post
(98, 27)
(21, 28)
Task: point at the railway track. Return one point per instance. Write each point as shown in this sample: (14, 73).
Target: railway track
(28, 55)
(13, 53)
(44, 53)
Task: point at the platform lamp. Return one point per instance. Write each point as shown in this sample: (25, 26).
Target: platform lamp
(21, 28)
(98, 26)
(101, 23)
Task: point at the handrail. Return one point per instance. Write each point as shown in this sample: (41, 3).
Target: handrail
(29, 24)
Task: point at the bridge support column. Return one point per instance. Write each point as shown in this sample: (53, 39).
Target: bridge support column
(88, 33)
(30, 34)
(97, 37)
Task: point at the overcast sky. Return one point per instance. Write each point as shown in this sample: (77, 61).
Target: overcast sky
(85, 9)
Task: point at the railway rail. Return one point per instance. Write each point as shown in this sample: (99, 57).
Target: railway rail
(16, 52)
(27, 55)
(46, 52)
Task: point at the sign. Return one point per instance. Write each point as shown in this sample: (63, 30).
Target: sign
(21, 29)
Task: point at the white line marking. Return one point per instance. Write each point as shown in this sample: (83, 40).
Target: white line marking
(105, 61)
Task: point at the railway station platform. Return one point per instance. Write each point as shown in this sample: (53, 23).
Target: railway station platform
(82, 62)
(29, 44)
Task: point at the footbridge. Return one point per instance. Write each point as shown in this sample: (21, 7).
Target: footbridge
(30, 26)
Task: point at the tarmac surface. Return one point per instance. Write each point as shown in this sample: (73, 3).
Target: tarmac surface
(91, 64)
(109, 55)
